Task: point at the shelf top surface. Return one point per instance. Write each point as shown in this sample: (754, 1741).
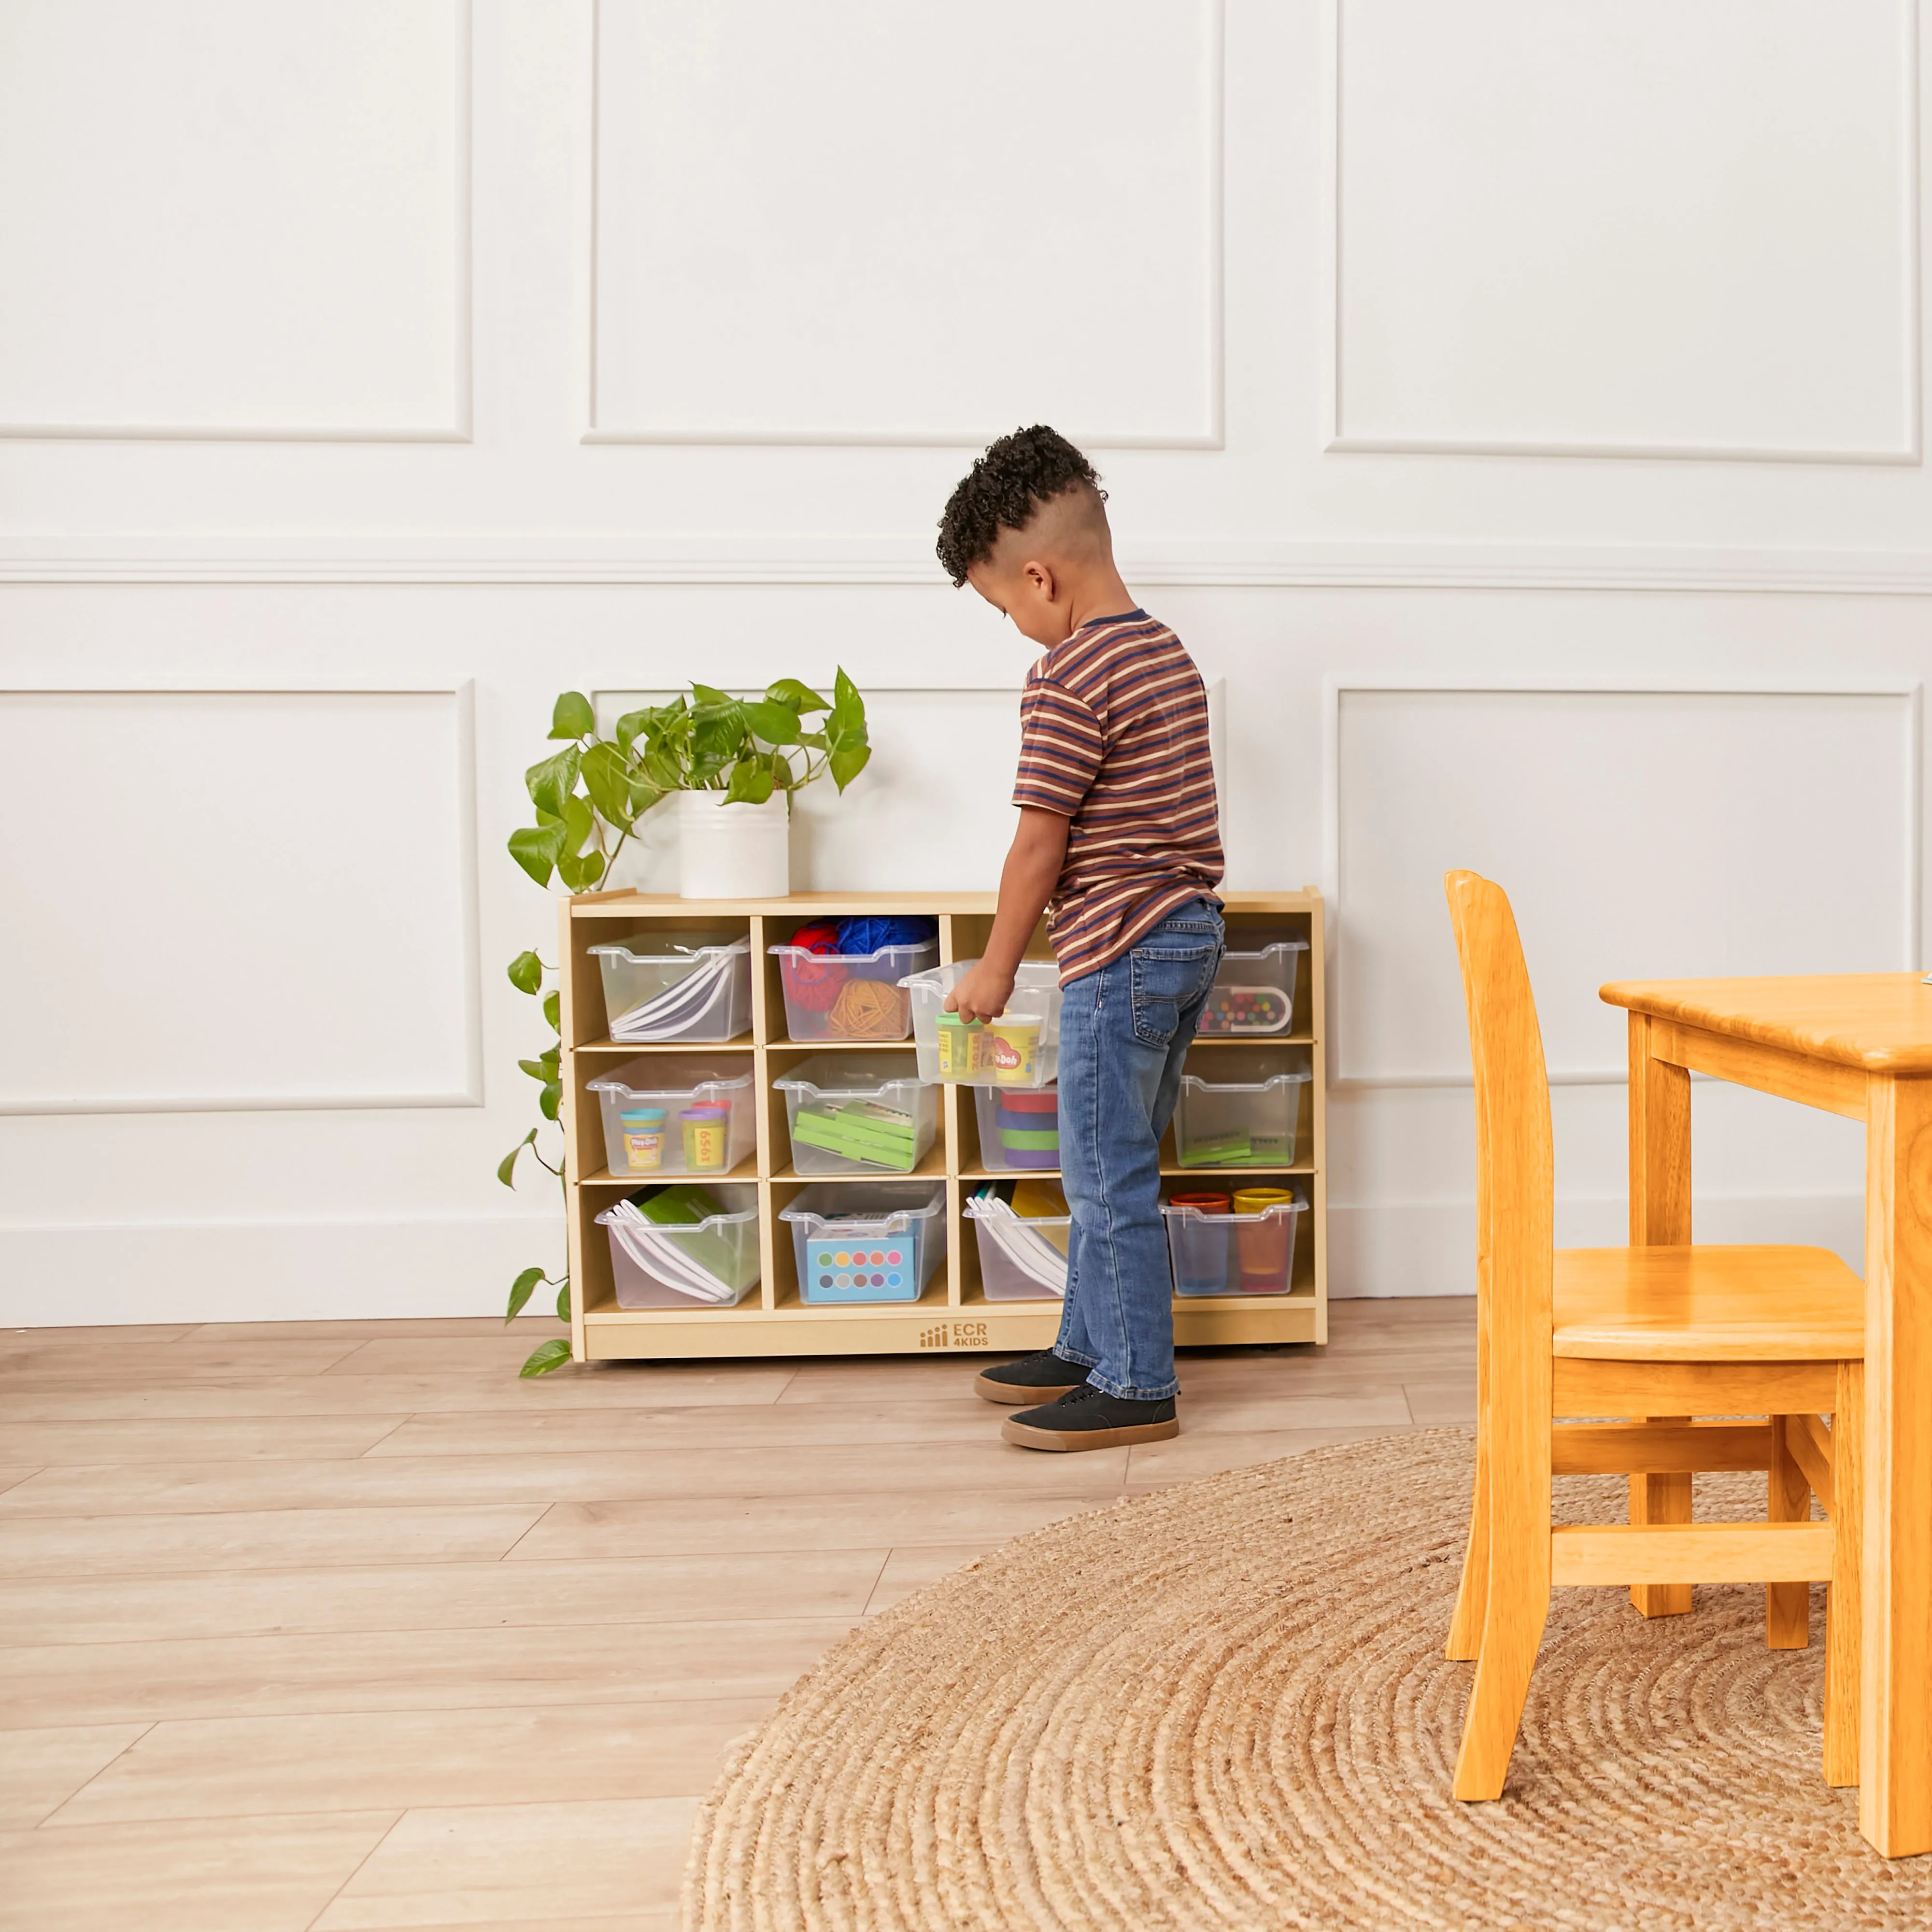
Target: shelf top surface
(625, 905)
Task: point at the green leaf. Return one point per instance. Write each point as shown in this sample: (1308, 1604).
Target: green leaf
(506, 1167)
(537, 1070)
(607, 778)
(537, 848)
(776, 724)
(526, 973)
(848, 708)
(580, 873)
(798, 697)
(563, 1300)
(630, 727)
(551, 782)
(521, 1289)
(813, 741)
(573, 718)
(546, 1101)
(549, 1059)
(579, 821)
(547, 1356)
(719, 737)
(553, 1008)
(847, 762)
(710, 697)
(750, 782)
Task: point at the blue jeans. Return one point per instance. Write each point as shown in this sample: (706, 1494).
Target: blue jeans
(1123, 1032)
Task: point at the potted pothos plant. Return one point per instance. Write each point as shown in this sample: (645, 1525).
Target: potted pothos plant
(725, 757)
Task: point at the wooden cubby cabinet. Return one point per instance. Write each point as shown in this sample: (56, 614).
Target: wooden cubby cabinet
(953, 1314)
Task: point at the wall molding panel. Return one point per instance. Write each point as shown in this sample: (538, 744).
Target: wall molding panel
(533, 559)
(307, 967)
(603, 421)
(1712, 793)
(1347, 432)
(457, 427)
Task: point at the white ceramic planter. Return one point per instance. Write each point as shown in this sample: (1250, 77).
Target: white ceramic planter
(733, 851)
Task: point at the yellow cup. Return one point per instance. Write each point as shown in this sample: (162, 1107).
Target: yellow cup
(1264, 1246)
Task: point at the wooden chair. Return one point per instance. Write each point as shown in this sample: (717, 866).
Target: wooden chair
(1645, 1332)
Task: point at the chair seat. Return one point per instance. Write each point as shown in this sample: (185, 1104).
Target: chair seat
(1707, 1304)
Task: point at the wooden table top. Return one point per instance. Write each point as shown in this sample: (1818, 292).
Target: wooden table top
(1879, 1022)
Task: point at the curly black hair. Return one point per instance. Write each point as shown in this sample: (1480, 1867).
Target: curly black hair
(1002, 491)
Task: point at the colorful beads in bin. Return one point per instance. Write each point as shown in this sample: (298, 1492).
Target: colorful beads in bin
(1254, 985)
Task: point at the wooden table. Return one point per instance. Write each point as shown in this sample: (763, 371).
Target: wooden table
(1858, 1045)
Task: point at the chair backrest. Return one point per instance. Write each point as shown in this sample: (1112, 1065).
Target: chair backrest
(1515, 1168)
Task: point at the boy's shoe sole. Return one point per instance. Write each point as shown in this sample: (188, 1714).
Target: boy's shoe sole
(1028, 1437)
(991, 1389)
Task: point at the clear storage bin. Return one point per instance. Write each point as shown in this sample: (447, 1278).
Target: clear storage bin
(1244, 1245)
(863, 1114)
(1020, 1049)
(663, 1115)
(1019, 1129)
(1022, 1258)
(684, 1247)
(1254, 992)
(878, 1244)
(850, 995)
(694, 985)
(1239, 1110)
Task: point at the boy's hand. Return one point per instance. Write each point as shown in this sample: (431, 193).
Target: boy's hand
(982, 993)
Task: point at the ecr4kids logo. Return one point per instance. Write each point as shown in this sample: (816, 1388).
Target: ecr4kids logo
(955, 1335)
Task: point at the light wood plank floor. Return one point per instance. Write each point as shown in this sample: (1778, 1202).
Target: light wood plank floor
(339, 1625)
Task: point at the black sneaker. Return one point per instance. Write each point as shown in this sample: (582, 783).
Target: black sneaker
(1088, 1418)
(1038, 1377)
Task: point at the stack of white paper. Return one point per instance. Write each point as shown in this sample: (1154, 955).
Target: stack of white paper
(668, 1015)
(656, 1249)
(1029, 1250)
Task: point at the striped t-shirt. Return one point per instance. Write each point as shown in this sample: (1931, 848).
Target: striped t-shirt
(1114, 735)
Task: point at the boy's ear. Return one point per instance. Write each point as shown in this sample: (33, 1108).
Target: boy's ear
(1039, 576)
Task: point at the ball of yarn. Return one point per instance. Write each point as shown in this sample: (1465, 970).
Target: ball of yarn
(821, 936)
(870, 934)
(871, 1010)
(812, 985)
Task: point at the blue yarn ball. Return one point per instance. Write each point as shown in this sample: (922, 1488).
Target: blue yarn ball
(871, 934)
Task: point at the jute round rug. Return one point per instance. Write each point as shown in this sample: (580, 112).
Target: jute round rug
(1225, 1705)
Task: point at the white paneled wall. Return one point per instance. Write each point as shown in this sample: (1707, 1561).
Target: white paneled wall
(1517, 408)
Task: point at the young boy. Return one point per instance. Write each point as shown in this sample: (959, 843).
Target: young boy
(1120, 836)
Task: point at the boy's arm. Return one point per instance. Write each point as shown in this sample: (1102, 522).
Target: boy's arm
(1031, 872)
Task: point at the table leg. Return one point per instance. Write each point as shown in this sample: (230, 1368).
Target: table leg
(1659, 1216)
(1895, 1713)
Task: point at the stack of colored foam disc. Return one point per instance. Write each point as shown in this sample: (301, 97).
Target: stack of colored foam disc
(1029, 1128)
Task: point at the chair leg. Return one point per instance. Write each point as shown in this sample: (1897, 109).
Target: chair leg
(1660, 1499)
(1472, 1596)
(1517, 1603)
(1842, 1610)
(1787, 1606)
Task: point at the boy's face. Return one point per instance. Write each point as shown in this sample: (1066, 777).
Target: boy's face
(1026, 591)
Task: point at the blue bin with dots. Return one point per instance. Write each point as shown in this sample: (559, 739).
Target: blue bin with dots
(876, 1243)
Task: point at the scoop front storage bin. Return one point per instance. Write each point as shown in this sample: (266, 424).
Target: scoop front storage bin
(1020, 1048)
(1242, 1244)
(1239, 1110)
(686, 1247)
(695, 987)
(1022, 1257)
(665, 1115)
(860, 1113)
(876, 1244)
(1019, 1129)
(1254, 992)
(850, 995)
